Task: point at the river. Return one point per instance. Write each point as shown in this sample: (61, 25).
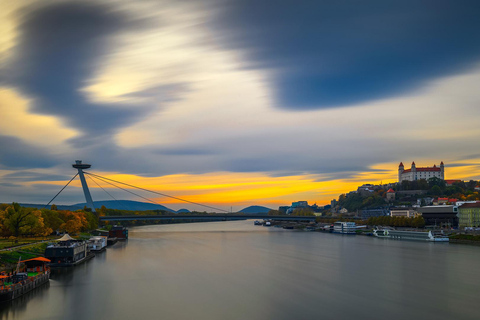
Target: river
(235, 270)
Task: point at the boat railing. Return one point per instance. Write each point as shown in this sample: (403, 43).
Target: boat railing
(14, 286)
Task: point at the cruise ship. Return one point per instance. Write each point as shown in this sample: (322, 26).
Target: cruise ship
(344, 227)
(410, 235)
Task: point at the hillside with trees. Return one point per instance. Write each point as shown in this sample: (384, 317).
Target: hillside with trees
(433, 187)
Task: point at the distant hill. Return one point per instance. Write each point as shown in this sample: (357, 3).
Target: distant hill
(127, 205)
(255, 209)
(183, 211)
(59, 207)
(111, 204)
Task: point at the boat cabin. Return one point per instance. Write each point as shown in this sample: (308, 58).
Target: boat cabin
(38, 264)
(119, 232)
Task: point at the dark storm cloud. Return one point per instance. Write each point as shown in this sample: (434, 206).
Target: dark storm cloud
(333, 53)
(34, 176)
(470, 157)
(17, 154)
(60, 46)
(9, 185)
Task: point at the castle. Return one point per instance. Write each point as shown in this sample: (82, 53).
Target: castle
(415, 173)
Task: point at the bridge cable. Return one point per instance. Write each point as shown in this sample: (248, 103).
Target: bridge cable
(162, 194)
(91, 178)
(124, 189)
(61, 190)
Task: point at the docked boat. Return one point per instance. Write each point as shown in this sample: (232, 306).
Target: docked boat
(35, 273)
(119, 232)
(267, 224)
(410, 235)
(97, 243)
(257, 223)
(344, 227)
(68, 252)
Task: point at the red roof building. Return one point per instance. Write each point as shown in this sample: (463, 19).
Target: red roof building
(415, 173)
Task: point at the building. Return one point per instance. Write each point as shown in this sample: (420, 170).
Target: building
(366, 189)
(402, 212)
(440, 201)
(374, 212)
(469, 215)
(415, 173)
(440, 216)
(449, 183)
(390, 195)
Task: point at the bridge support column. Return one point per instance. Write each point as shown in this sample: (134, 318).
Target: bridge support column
(80, 166)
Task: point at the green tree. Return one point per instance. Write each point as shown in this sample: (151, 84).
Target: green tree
(436, 191)
(53, 207)
(18, 219)
(52, 219)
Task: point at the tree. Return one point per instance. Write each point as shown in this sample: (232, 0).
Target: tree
(434, 181)
(53, 207)
(273, 213)
(39, 228)
(303, 212)
(18, 219)
(74, 221)
(406, 185)
(103, 211)
(436, 191)
(52, 219)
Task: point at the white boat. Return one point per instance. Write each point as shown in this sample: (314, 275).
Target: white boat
(410, 235)
(98, 243)
(344, 227)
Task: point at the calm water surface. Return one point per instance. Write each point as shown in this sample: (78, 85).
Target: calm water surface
(234, 270)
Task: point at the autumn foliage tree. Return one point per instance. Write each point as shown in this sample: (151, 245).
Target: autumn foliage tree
(74, 221)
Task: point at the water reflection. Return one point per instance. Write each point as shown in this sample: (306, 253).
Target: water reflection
(234, 270)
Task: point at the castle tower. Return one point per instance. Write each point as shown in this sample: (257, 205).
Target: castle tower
(414, 171)
(400, 171)
(80, 166)
(442, 170)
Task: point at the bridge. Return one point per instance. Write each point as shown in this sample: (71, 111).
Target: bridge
(204, 217)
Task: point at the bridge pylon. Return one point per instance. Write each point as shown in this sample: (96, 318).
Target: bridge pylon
(80, 166)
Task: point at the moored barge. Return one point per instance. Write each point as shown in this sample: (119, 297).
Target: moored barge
(67, 252)
(410, 235)
(36, 273)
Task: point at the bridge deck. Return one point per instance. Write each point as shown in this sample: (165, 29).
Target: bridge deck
(217, 217)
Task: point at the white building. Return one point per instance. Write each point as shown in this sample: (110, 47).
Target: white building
(415, 173)
(402, 212)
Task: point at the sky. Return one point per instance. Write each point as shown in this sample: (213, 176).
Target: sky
(234, 103)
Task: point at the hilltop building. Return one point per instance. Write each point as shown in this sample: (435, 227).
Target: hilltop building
(415, 173)
(390, 195)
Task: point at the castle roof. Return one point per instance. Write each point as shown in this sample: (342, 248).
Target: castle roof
(401, 164)
(390, 190)
(426, 169)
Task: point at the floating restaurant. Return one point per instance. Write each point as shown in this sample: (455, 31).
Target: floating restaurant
(68, 252)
